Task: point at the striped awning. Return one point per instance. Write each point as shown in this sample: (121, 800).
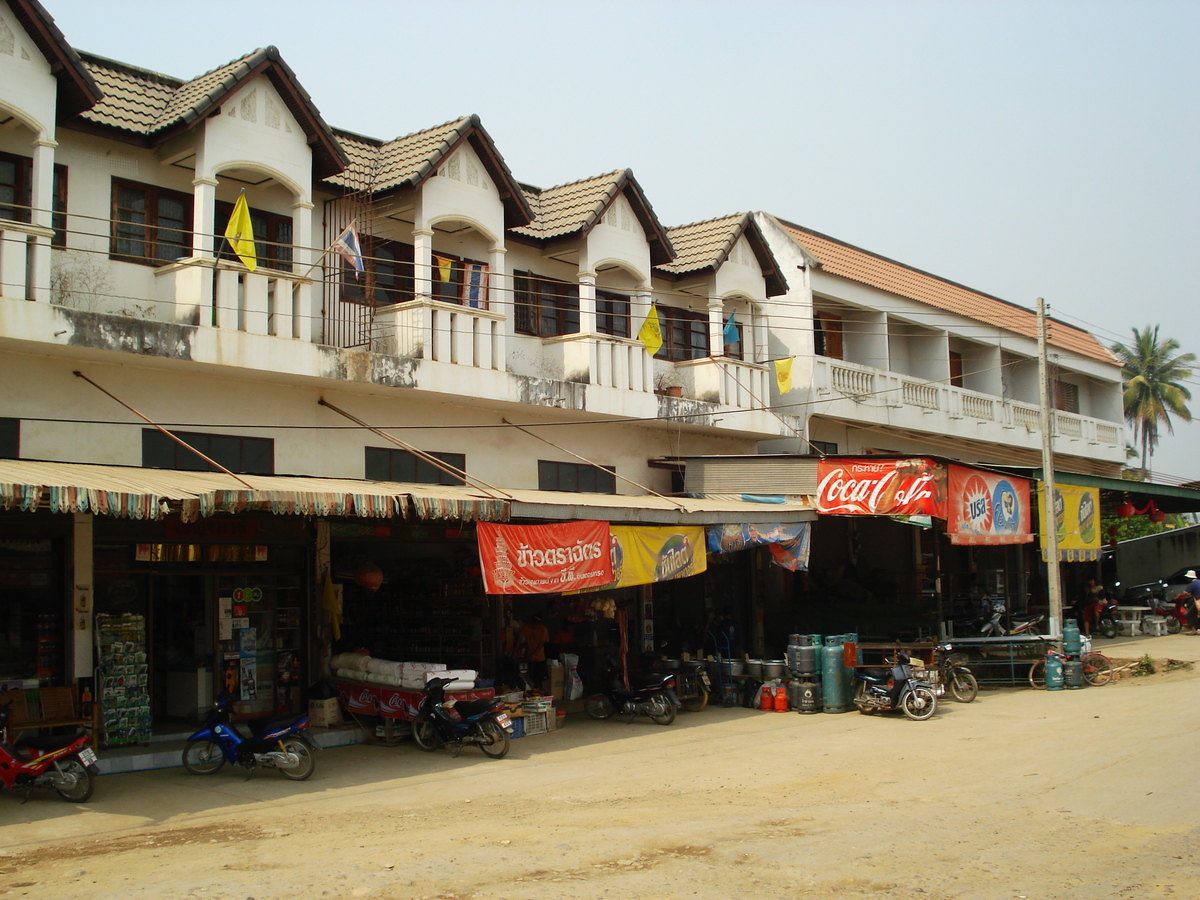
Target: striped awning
(135, 493)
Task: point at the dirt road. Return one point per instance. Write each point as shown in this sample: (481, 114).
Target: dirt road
(1022, 794)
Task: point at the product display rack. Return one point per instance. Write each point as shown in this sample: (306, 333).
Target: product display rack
(122, 682)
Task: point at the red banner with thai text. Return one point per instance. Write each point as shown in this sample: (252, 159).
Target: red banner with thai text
(543, 559)
(881, 487)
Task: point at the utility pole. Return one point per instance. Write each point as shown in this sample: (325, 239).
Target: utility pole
(1049, 500)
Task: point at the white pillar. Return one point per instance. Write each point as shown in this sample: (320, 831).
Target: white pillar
(641, 374)
(587, 302)
(37, 286)
(716, 327)
(422, 262)
(501, 300)
(302, 259)
(200, 278)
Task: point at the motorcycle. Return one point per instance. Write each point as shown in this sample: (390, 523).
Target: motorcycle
(457, 723)
(895, 688)
(65, 764)
(654, 696)
(1175, 613)
(953, 673)
(1107, 623)
(986, 624)
(281, 744)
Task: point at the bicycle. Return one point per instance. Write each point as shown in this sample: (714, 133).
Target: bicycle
(1097, 670)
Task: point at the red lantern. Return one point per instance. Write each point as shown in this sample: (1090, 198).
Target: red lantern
(1125, 510)
(1112, 530)
(1156, 515)
(369, 576)
(1112, 542)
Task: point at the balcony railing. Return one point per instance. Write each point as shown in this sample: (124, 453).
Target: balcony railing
(224, 295)
(442, 332)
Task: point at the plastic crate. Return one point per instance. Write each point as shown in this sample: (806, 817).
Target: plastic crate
(518, 727)
(537, 722)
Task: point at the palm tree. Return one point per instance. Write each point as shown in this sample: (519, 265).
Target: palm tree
(1152, 372)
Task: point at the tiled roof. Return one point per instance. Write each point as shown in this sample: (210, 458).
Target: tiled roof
(381, 165)
(573, 207)
(77, 90)
(703, 245)
(847, 261)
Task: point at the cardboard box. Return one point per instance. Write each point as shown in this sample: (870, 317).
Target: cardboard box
(325, 712)
(558, 682)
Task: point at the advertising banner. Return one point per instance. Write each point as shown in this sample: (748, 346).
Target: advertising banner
(645, 554)
(1077, 518)
(881, 487)
(987, 508)
(543, 559)
(789, 544)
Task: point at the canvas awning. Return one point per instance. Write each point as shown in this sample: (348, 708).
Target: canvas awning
(650, 509)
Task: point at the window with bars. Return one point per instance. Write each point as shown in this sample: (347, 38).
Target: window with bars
(16, 194)
(544, 308)
(244, 455)
(685, 334)
(612, 313)
(272, 237)
(150, 225)
(576, 478)
(394, 464)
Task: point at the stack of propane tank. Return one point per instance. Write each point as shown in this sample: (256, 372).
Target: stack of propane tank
(813, 678)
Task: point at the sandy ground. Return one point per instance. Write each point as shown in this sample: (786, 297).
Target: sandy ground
(1022, 794)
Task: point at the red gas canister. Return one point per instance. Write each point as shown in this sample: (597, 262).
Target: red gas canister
(781, 699)
(766, 699)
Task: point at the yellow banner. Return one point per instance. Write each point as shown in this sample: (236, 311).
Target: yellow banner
(1076, 519)
(645, 554)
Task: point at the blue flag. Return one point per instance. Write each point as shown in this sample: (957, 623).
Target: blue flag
(731, 334)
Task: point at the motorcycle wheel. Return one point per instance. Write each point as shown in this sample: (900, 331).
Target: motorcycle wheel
(495, 739)
(1108, 628)
(860, 703)
(203, 757)
(1173, 626)
(424, 734)
(696, 702)
(1037, 675)
(962, 685)
(666, 714)
(84, 783)
(598, 706)
(919, 704)
(306, 762)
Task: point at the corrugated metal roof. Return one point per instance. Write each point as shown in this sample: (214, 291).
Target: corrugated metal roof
(847, 261)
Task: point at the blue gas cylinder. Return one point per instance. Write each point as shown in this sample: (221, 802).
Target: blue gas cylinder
(1073, 674)
(832, 676)
(1054, 672)
(1072, 640)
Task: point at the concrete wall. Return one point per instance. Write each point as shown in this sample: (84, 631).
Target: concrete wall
(1157, 556)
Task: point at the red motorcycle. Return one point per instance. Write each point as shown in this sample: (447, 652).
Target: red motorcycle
(66, 764)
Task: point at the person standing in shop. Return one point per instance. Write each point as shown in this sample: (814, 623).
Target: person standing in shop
(1192, 603)
(533, 638)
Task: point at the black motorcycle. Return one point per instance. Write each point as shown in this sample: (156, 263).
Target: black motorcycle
(456, 723)
(953, 674)
(651, 695)
(885, 689)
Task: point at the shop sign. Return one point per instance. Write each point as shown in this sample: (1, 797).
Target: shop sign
(987, 508)
(1076, 518)
(788, 543)
(542, 559)
(644, 554)
(881, 487)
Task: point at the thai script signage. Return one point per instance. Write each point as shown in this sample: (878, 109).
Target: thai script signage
(542, 559)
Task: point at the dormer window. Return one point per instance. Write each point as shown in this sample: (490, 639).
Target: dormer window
(612, 314)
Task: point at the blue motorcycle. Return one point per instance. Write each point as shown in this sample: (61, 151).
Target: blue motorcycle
(281, 744)
(456, 723)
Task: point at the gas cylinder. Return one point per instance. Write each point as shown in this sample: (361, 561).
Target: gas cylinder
(1054, 672)
(766, 699)
(1073, 674)
(810, 697)
(1072, 640)
(781, 699)
(806, 660)
(833, 675)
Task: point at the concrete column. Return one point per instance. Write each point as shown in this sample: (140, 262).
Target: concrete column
(82, 595)
(502, 300)
(422, 262)
(587, 302)
(37, 287)
(204, 198)
(200, 278)
(302, 259)
(641, 370)
(716, 327)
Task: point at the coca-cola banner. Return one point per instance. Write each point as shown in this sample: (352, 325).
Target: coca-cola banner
(543, 559)
(881, 487)
(988, 508)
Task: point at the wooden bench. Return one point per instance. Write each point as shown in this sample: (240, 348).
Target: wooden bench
(45, 707)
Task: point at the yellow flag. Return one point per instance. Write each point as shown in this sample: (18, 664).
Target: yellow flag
(650, 333)
(443, 267)
(240, 233)
(783, 374)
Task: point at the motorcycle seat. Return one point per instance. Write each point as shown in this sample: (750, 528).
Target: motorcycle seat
(259, 727)
(47, 743)
(469, 708)
(875, 674)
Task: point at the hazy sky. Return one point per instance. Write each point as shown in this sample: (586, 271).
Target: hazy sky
(1023, 149)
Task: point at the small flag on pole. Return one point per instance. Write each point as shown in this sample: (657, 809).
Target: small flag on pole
(443, 266)
(240, 233)
(783, 374)
(650, 334)
(350, 247)
(731, 333)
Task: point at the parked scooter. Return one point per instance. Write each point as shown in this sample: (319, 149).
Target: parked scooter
(952, 671)
(456, 723)
(895, 688)
(282, 744)
(1025, 623)
(986, 624)
(1173, 611)
(64, 764)
(651, 695)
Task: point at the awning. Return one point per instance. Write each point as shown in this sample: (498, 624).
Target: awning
(1170, 498)
(135, 493)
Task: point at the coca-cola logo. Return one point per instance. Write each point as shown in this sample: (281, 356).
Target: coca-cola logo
(880, 491)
